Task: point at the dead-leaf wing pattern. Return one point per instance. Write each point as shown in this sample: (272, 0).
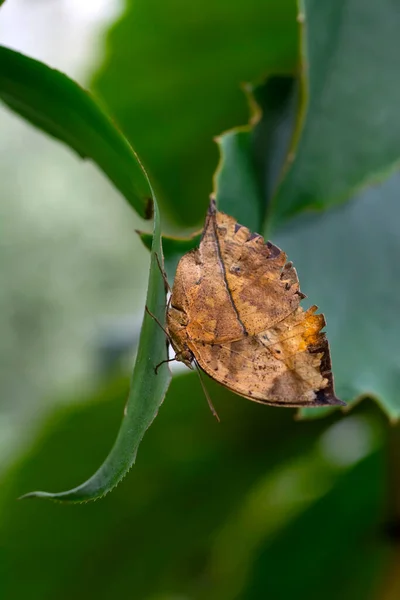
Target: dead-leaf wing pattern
(234, 284)
(203, 298)
(281, 366)
(263, 286)
(235, 309)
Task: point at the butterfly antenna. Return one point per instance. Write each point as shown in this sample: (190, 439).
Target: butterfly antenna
(163, 274)
(210, 404)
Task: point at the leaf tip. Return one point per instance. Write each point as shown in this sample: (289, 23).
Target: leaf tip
(35, 495)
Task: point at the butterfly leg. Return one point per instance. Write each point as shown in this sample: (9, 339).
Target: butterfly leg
(167, 360)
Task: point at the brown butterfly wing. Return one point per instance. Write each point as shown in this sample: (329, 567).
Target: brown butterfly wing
(235, 305)
(288, 365)
(263, 286)
(234, 284)
(200, 294)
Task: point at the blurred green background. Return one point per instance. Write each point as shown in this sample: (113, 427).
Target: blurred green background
(262, 505)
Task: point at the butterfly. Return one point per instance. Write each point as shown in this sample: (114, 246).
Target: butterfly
(235, 313)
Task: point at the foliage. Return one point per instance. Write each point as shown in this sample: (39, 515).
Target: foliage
(171, 78)
(215, 512)
(210, 510)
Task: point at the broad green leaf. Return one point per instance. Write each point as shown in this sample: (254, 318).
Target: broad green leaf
(351, 131)
(145, 397)
(345, 258)
(347, 261)
(239, 192)
(246, 177)
(58, 106)
(252, 157)
(172, 78)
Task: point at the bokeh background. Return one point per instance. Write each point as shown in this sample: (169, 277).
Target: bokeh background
(261, 506)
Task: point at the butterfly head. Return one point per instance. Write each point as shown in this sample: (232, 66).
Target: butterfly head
(186, 356)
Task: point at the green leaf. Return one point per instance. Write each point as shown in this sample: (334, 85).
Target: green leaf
(347, 261)
(351, 132)
(345, 257)
(145, 397)
(246, 176)
(238, 192)
(252, 157)
(61, 108)
(172, 77)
